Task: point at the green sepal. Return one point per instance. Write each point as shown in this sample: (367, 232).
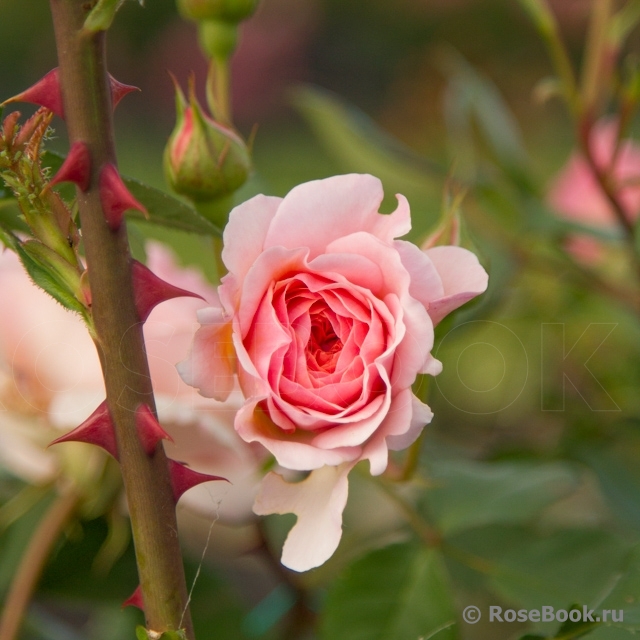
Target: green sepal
(42, 274)
(65, 272)
(144, 634)
(102, 15)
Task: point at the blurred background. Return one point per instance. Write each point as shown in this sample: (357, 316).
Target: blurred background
(529, 471)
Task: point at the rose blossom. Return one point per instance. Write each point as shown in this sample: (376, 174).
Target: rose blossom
(327, 319)
(576, 195)
(50, 381)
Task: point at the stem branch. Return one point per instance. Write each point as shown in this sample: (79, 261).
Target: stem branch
(32, 563)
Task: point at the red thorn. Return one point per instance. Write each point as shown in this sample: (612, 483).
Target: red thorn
(149, 430)
(119, 90)
(149, 290)
(96, 429)
(115, 197)
(183, 478)
(45, 92)
(135, 599)
(76, 167)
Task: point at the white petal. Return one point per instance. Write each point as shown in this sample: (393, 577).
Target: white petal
(318, 501)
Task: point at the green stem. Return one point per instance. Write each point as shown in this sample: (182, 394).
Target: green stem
(597, 56)
(32, 563)
(609, 190)
(218, 96)
(547, 26)
(88, 114)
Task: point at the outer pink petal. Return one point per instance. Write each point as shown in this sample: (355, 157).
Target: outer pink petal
(211, 363)
(374, 265)
(421, 416)
(245, 233)
(316, 213)
(254, 425)
(426, 283)
(463, 278)
(396, 423)
(318, 501)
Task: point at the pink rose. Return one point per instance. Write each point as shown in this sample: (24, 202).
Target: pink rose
(50, 381)
(576, 195)
(327, 319)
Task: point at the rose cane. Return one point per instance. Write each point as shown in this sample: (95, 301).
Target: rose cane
(126, 425)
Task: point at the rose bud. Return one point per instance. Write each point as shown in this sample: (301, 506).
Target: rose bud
(226, 10)
(203, 159)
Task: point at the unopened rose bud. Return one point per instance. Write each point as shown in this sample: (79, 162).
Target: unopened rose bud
(226, 10)
(204, 160)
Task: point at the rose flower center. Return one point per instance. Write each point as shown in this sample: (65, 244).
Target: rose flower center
(324, 346)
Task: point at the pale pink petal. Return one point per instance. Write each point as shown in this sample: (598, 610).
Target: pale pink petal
(463, 278)
(254, 425)
(364, 260)
(421, 416)
(412, 355)
(316, 213)
(318, 501)
(398, 422)
(211, 363)
(245, 233)
(426, 283)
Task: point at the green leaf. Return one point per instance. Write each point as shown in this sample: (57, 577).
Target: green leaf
(168, 211)
(473, 103)
(570, 630)
(623, 22)
(44, 276)
(530, 569)
(469, 494)
(102, 15)
(625, 593)
(401, 591)
(619, 476)
(567, 566)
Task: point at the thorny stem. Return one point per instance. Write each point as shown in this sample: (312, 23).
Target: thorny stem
(88, 113)
(33, 561)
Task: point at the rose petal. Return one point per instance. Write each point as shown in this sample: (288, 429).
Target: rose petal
(246, 231)
(211, 363)
(318, 501)
(421, 416)
(254, 425)
(463, 278)
(316, 213)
